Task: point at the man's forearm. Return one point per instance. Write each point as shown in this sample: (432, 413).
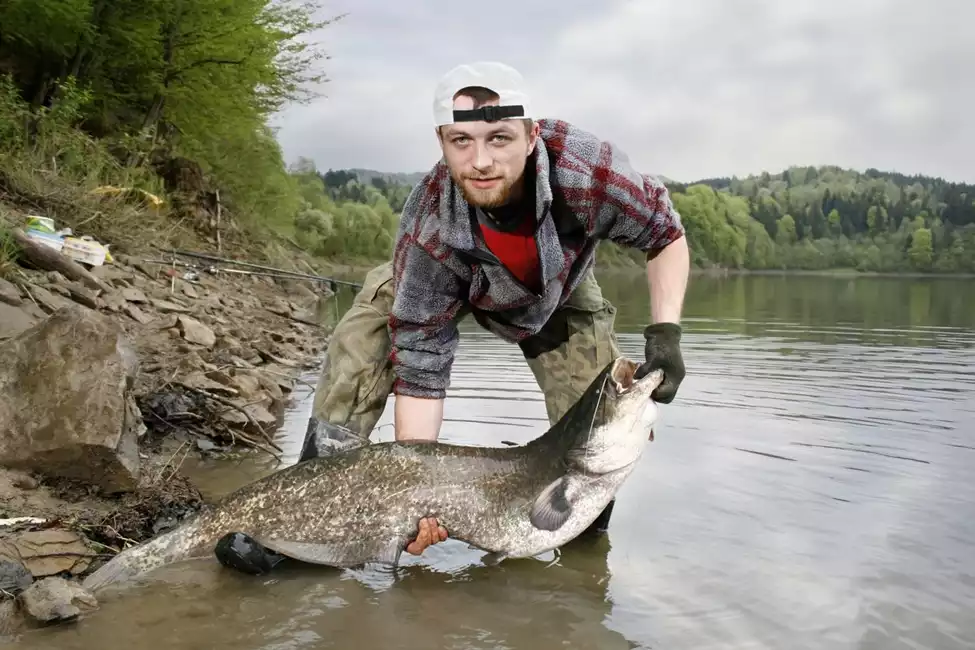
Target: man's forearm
(667, 274)
(417, 418)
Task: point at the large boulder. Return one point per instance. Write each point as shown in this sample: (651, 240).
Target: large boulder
(65, 404)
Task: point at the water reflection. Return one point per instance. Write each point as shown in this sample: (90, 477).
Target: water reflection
(832, 310)
(555, 602)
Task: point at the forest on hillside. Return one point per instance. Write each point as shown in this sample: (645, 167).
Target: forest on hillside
(828, 217)
(805, 218)
(100, 93)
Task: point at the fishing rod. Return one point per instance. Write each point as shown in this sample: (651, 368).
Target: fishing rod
(283, 272)
(269, 274)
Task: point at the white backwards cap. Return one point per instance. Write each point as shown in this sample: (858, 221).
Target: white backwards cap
(498, 77)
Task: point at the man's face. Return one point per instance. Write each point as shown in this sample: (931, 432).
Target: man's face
(487, 159)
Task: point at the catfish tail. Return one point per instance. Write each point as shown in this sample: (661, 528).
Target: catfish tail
(179, 544)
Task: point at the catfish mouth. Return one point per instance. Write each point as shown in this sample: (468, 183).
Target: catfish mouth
(623, 373)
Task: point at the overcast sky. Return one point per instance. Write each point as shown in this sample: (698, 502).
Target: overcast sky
(688, 88)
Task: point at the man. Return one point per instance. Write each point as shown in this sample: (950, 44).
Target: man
(503, 228)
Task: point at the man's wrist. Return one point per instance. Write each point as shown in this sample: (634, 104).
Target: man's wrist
(665, 327)
(417, 418)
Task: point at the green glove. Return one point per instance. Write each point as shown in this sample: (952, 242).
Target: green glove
(663, 351)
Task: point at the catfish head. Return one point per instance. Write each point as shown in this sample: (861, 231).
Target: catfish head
(614, 419)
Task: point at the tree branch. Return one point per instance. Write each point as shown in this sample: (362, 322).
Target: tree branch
(172, 76)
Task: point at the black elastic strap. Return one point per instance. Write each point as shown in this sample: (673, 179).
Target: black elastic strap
(489, 113)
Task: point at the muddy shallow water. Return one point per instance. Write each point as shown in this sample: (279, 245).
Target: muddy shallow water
(811, 487)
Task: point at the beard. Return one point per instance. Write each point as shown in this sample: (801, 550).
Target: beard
(485, 198)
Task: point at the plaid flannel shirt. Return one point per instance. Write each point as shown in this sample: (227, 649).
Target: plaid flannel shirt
(586, 190)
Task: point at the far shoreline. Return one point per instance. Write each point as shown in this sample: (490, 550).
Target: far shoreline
(834, 273)
(358, 268)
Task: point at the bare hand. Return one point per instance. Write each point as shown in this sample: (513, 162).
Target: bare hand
(430, 533)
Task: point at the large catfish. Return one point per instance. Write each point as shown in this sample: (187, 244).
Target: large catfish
(363, 506)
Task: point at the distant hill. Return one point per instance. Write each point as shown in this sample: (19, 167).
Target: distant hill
(800, 218)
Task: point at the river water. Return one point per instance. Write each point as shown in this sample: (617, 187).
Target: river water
(813, 486)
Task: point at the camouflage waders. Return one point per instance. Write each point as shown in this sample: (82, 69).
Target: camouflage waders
(357, 377)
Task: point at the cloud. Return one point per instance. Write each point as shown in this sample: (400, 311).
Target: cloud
(689, 88)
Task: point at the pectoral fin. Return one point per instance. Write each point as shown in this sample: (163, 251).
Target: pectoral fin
(338, 554)
(493, 559)
(553, 506)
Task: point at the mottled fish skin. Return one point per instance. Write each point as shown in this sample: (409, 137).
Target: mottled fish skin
(363, 505)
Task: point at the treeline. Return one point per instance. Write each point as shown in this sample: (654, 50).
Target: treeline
(147, 80)
(830, 218)
(803, 219)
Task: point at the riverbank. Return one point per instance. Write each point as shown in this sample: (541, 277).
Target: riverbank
(214, 360)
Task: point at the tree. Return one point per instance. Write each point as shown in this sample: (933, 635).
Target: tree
(921, 252)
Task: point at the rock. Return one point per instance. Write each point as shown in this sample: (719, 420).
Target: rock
(248, 385)
(200, 381)
(55, 600)
(113, 301)
(132, 294)
(55, 277)
(220, 377)
(240, 363)
(149, 270)
(14, 320)
(167, 322)
(307, 316)
(60, 289)
(279, 307)
(14, 577)
(9, 293)
(11, 620)
(25, 482)
(299, 289)
(190, 361)
(49, 302)
(65, 406)
(83, 296)
(271, 385)
(231, 344)
(260, 414)
(112, 273)
(169, 306)
(196, 332)
(270, 357)
(188, 290)
(137, 314)
(48, 552)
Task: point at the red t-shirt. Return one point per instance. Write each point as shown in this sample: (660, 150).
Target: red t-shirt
(517, 251)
